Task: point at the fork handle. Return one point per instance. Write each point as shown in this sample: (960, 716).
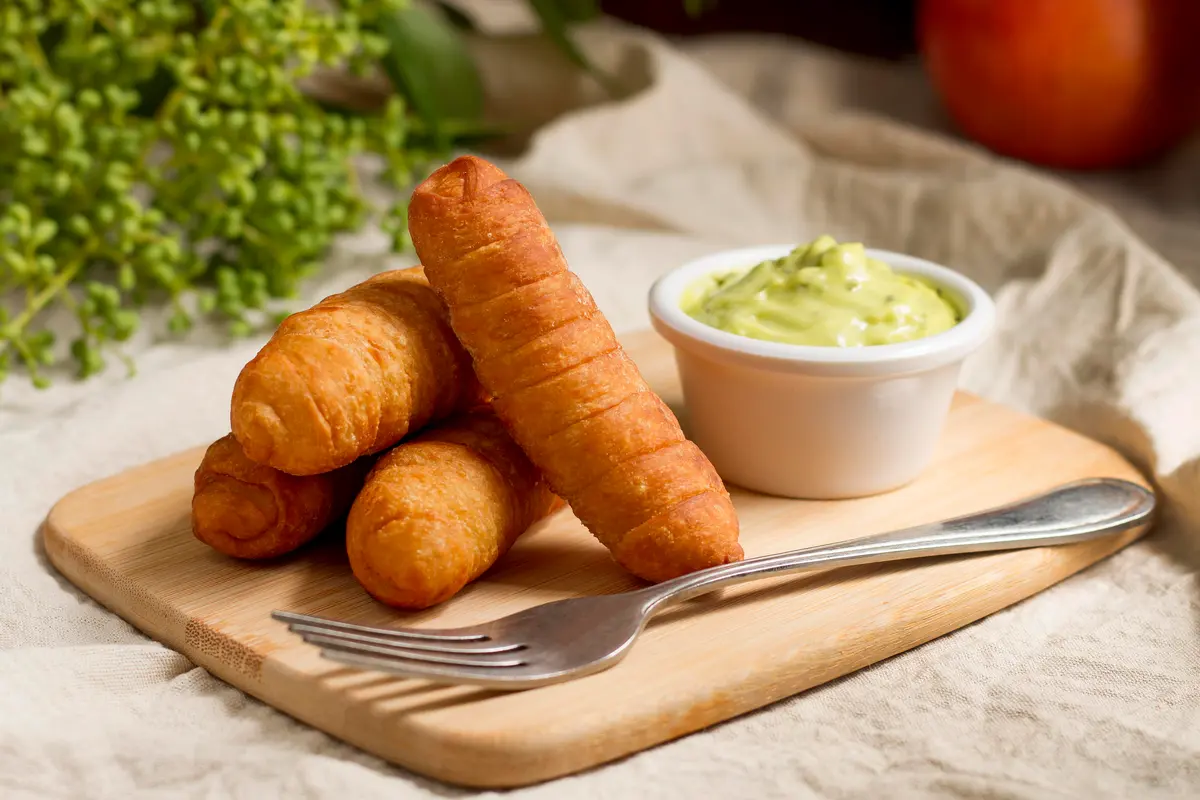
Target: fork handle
(1071, 513)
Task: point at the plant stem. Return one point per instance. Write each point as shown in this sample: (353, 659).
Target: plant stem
(56, 285)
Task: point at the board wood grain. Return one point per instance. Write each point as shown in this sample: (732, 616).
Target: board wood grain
(126, 541)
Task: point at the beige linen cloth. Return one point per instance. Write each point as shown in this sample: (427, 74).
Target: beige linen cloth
(1091, 689)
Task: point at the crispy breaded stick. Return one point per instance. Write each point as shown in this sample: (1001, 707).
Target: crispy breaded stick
(438, 510)
(351, 376)
(248, 510)
(561, 383)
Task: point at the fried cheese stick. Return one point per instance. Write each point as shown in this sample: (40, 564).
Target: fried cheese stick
(247, 510)
(562, 385)
(438, 510)
(351, 376)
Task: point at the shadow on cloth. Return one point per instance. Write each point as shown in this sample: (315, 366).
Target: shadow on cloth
(1179, 509)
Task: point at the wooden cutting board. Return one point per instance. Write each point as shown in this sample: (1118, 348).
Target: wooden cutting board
(126, 541)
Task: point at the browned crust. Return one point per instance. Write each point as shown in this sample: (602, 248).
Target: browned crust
(437, 511)
(560, 383)
(247, 510)
(351, 376)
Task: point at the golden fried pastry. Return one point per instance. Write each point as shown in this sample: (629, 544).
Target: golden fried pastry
(244, 509)
(438, 510)
(351, 376)
(560, 382)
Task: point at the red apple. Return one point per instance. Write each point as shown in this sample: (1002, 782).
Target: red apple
(1077, 84)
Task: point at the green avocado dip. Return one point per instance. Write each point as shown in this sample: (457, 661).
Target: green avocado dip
(825, 294)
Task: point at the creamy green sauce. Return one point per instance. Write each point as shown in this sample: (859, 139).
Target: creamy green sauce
(824, 294)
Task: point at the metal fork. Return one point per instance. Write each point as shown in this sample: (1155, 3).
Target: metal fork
(568, 639)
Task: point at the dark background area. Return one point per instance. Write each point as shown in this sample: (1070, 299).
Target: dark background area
(880, 28)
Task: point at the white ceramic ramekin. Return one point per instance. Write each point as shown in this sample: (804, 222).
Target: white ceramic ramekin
(817, 422)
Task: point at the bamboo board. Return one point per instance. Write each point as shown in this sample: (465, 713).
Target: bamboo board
(126, 541)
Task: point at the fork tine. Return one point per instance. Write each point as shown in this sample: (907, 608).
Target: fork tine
(401, 652)
(401, 634)
(478, 676)
(448, 647)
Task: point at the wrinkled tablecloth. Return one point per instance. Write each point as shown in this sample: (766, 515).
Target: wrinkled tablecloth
(1090, 689)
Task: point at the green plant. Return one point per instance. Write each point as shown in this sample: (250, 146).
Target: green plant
(162, 151)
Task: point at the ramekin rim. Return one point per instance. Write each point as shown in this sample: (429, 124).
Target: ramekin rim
(952, 344)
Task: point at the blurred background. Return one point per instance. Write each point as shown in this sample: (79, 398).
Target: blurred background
(1085, 84)
(1104, 94)
(201, 156)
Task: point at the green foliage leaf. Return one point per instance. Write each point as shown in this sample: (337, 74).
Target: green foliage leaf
(555, 16)
(164, 151)
(456, 17)
(579, 10)
(428, 63)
